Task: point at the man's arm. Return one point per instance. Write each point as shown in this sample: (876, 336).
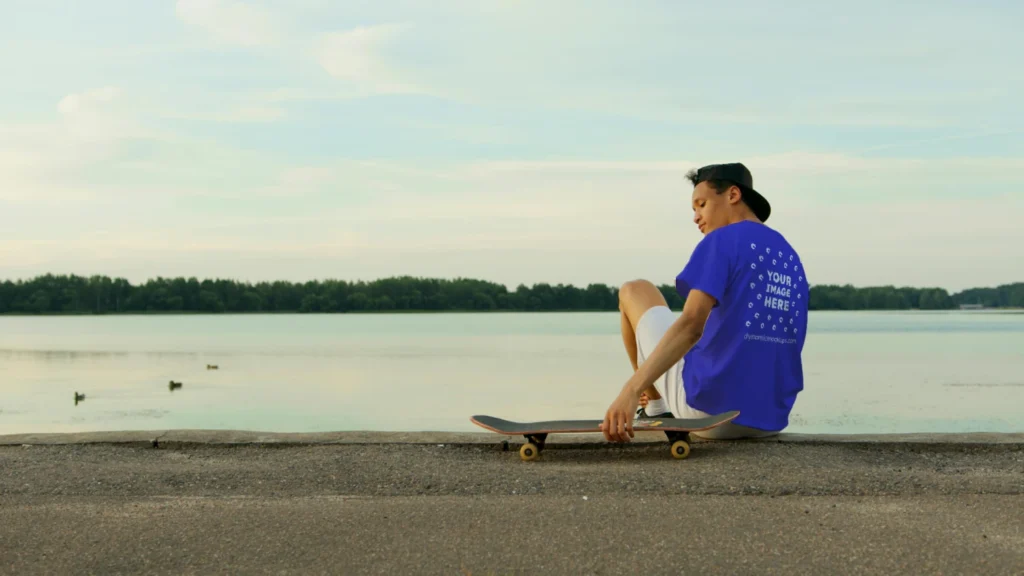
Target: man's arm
(684, 333)
(677, 341)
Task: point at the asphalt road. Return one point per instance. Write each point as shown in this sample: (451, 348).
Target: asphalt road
(731, 508)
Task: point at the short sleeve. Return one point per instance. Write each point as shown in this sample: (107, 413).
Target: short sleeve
(708, 268)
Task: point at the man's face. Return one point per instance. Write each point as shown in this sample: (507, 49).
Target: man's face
(710, 209)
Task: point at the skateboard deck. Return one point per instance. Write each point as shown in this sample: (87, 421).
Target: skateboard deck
(677, 429)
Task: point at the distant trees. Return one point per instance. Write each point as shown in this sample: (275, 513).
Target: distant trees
(847, 297)
(1005, 296)
(832, 297)
(51, 294)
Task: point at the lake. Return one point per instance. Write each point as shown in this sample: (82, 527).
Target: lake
(865, 371)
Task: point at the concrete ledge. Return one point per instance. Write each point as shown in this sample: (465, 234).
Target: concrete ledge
(912, 438)
(148, 437)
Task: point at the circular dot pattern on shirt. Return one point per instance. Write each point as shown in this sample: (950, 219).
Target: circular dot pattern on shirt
(775, 290)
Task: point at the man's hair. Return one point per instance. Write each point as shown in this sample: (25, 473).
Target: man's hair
(718, 185)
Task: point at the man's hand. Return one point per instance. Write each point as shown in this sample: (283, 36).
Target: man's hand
(618, 421)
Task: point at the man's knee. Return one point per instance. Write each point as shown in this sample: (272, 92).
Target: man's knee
(637, 297)
(636, 289)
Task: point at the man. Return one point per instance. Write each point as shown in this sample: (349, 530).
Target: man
(737, 344)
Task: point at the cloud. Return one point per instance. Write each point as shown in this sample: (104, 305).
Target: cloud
(909, 77)
(974, 135)
(925, 222)
(74, 103)
(359, 56)
(256, 114)
(91, 121)
(229, 21)
(40, 161)
(471, 133)
(854, 219)
(583, 166)
(228, 108)
(97, 146)
(241, 114)
(305, 175)
(128, 243)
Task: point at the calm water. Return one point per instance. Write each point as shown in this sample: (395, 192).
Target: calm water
(865, 372)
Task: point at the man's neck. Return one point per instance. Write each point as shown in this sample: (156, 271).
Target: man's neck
(749, 217)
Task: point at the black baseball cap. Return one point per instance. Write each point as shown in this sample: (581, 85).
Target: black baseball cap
(738, 174)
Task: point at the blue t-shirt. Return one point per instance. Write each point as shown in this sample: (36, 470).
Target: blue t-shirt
(749, 358)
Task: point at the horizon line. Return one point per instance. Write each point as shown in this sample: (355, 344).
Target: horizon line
(468, 278)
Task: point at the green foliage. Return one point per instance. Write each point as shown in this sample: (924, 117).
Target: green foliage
(1006, 296)
(832, 297)
(52, 294)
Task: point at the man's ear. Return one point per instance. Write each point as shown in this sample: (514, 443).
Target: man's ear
(735, 195)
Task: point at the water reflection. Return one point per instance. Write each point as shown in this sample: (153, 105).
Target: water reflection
(987, 385)
(52, 355)
(406, 373)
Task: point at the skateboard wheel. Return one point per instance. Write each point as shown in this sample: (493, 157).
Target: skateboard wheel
(529, 451)
(680, 449)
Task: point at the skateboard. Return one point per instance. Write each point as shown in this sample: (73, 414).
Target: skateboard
(677, 429)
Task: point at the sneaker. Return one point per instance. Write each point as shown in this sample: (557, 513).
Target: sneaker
(642, 413)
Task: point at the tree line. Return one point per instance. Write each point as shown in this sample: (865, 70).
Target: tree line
(70, 294)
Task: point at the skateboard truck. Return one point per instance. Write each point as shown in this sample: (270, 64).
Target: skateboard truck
(534, 444)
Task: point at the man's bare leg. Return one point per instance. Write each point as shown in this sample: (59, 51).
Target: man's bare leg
(629, 339)
(635, 298)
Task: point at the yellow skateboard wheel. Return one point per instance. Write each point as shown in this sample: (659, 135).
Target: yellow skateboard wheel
(680, 449)
(529, 451)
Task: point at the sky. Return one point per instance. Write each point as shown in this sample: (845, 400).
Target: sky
(514, 141)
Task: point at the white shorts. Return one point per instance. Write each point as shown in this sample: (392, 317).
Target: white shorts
(649, 331)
